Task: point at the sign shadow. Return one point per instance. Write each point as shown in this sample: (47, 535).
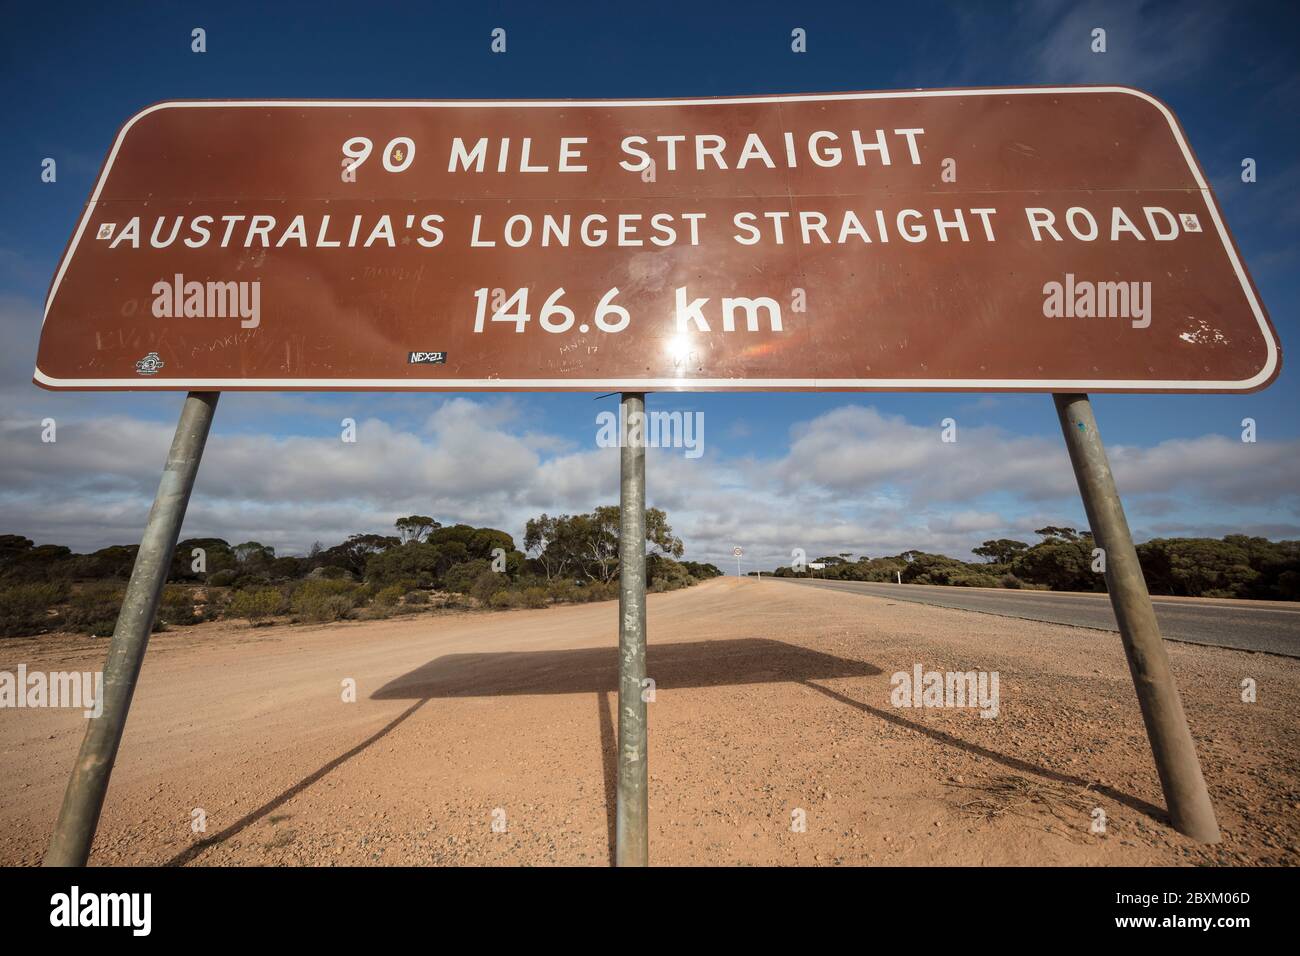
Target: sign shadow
(595, 671)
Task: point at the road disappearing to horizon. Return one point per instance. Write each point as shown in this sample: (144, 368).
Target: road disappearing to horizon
(1242, 625)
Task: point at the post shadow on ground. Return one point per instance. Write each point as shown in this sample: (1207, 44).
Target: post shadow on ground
(1015, 763)
(193, 851)
(694, 664)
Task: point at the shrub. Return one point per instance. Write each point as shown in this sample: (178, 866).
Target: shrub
(177, 606)
(455, 600)
(24, 608)
(665, 574)
(324, 600)
(335, 607)
(505, 599)
(462, 577)
(562, 591)
(972, 579)
(94, 609)
(534, 597)
(389, 596)
(486, 585)
(596, 591)
(417, 597)
(223, 579)
(256, 604)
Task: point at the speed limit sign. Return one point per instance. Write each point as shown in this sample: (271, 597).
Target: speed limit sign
(737, 552)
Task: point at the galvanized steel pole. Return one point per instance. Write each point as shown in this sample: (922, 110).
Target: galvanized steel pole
(75, 831)
(632, 820)
(1162, 709)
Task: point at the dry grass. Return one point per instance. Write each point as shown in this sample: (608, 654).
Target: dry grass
(1011, 795)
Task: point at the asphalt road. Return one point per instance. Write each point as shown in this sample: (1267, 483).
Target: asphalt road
(1244, 625)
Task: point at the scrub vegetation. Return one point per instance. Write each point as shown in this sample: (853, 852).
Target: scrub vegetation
(423, 566)
(1237, 566)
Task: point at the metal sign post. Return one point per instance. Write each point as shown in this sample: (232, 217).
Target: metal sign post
(632, 839)
(1162, 710)
(75, 830)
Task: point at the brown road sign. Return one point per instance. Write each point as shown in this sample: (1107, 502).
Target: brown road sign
(1039, 239)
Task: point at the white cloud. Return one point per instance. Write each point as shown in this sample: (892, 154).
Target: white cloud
(854, 447)
(851, 479)
(1148, 44)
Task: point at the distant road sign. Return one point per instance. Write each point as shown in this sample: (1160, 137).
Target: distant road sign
(1039, 239)
(737, 552)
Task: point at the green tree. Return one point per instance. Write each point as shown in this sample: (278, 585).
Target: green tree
(1062, 563)
(27, 564)
(587, 544)
(415, 528)
(553, 542)
(356, 551)
(1001, 550)
(461, 577)
(660, 534)
(1198, 567)
(11, 547)
(217, 556)
(1064, 534)
(418, 562)
(253, 554)
(113, 562)
(926, 568)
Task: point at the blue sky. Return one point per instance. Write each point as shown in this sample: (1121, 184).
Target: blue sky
(829, 472)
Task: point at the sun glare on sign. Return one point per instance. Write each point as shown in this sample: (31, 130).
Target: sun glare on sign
(679, 351)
